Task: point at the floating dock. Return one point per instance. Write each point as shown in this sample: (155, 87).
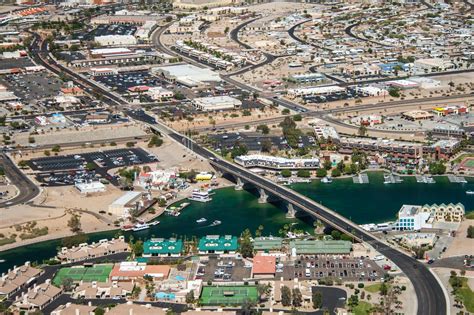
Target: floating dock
(392, 179)
(360, 179)
(424, 179)
(456, 179)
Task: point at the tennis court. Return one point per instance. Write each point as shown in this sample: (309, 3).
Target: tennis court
(228, 295)
(98, 273)
(468, 163)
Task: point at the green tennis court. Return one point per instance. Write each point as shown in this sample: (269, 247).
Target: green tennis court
(228, 295)
(98, 273)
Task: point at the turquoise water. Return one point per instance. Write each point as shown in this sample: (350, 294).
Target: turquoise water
(238, 210)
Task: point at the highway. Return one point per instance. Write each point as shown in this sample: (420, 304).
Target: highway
(27, 189)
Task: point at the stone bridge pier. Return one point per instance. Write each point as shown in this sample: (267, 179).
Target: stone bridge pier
(263, 196)
(291, 211)
(239, 185)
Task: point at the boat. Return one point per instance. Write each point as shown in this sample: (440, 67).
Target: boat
(154, 223)
(2, 261)
(127, 227)
(326, 180)
(470, 192)
(215, 222)
(201, 220)
(140, 227)
(200, 196)
(387, 179)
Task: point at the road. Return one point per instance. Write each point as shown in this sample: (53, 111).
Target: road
(429, 292)
(27, 189)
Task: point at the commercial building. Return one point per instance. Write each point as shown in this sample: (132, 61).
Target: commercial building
(313, 91)
(308, 77)
(450, 110)
(17, 278)
(267, 244)
(216, 103)
(411, 218)
(90, 188)
(186, 74)
(415, 115)
(130, 201)
(132, 271)
(216, 244)
(316, 247)
(159, 93)
(73, 309)
(432, 65)
(160, 247)
(264, 266)
(115, 40)
(200, 4)
(274, 162)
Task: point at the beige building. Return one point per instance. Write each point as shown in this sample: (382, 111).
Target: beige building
(445, 213)
(201, 4)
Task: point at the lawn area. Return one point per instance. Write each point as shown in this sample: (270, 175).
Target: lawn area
(373, 288)
(363, 308)
(98, 273)
(470, 215)
(467, 295)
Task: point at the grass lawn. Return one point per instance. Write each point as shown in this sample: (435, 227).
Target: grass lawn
(373, 288)
(470, 215)
(467, 295)
(363, 308)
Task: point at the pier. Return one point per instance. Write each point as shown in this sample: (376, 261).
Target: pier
(456, 179)
(392, 179)
(362, 178)
(424, 179)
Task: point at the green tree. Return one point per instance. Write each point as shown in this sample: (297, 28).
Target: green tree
(155, 141)
(336, 234)
(317, 298)
(285, 111)
(56, 148)
(90, 166)
(297, 117)
(238, 149)
(99, 311)
(285, 173)
(67, 283)
(22, 164)
(321, 172)
(246, 245)
(285, 296)
(137, 248)
(74, 224)
(190, 299)
(470, 231)
(327, 164)
(297, 297)
(303, 173)
(353, 301)
(267, 145)
(335, 172)
(437, 168)
(264, 129)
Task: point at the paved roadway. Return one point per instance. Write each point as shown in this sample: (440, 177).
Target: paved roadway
(431, 300)
(27, 189)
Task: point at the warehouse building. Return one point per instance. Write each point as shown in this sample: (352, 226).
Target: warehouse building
(128, 202)
(315, 247)
(187, 75)
(115, 40)
(267, 244)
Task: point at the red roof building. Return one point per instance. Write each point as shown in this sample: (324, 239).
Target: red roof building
(264, 266)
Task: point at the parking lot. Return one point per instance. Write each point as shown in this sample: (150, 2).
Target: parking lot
(253, 141)
(113, 29)
(350, 93)
(223, 269)
(336, 267)
(122, 81)
(68, 169)
(32, 86)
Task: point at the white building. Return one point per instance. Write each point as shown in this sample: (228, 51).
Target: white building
(126, 203)
(159, 93)
(215, 103)
(186, 74)
(432, 65)
(274, 162)
(322, 90)
(412, 218)
(115, 40)
(89, 188)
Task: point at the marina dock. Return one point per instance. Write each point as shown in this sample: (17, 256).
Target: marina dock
(456, 179)
(392, 179)
(425, 179)
(362, 178)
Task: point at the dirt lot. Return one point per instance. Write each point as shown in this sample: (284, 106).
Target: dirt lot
(461, 245)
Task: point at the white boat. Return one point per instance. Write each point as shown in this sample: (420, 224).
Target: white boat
(200, 196)
(140, 227)
(470, 192)
(2, 261)
(326, 180)
(215, 222)
(201, 220)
